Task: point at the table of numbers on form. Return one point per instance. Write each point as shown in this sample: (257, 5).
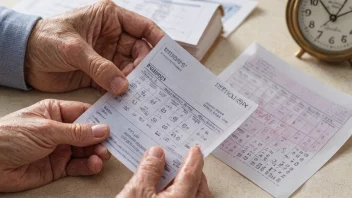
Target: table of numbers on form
(152, 106)
(285, 132)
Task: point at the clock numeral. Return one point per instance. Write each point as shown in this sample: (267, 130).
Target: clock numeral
(314, 2)
(311, 24)
(308, 12)
(320, 33)
(344, 39)
(331, 40)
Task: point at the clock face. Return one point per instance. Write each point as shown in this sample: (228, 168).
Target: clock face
(326, 24)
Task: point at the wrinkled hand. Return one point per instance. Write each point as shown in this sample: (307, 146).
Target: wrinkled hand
(35, 145)
(190, 182)
(96, 46)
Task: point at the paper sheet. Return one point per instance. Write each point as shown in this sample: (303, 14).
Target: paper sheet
(236, 11)
(184, 21)
(172, 101)
(299, 125)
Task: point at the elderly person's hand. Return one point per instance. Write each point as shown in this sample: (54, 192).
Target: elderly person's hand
(190, 182)
(39, 145)
(96, 46)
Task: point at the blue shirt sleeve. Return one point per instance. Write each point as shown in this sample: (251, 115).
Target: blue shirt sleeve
(15, 29)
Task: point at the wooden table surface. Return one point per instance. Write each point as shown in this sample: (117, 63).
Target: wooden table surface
(267, 26)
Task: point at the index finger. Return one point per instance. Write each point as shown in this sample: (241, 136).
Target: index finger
(66, 111)
(189, 176)
(140, 26)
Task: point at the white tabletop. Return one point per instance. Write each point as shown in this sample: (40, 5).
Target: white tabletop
(267, 26)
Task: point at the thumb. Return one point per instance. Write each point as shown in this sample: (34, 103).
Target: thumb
(148, 173)
(104, 72)
(79, 135)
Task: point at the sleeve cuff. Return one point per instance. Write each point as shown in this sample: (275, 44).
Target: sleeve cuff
(15, 29)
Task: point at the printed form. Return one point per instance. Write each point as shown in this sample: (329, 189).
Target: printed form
(299, 125)
(172, 101)
(183, 20)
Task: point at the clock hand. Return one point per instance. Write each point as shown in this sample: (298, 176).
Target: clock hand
(334, 17)
(344, 14)
(326, 23)
(325, 7)
(343, 5)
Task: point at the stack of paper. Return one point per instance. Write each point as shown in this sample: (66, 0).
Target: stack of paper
(194, 24)
(236, 12)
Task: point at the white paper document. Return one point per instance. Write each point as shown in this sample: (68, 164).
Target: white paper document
(299, 125)
(172, 101)
(184, 21)
(236, 11)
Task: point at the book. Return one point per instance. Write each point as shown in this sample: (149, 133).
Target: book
(195, 25)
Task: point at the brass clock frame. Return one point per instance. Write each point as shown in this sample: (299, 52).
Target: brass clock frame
(292, 24)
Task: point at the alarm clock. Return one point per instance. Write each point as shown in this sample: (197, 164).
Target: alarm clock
(322, 28)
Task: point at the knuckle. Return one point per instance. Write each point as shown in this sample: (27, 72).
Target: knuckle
(70, 45)
(46, 125)
(149, 168)
(148, 192)
(99, 69)
(78, 134)
(190, 174)
(151, 26)
(106, 5)
(50, 108)
(106, 2)
(46, 102)
(46, 130)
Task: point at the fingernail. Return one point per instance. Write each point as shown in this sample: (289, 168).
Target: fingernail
(100, 130)
(156, 152)
(100, 149)
(118, 84)
(98, 167)
(197, 149)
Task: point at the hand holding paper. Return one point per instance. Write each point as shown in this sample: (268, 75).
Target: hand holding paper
(97, 45)
(190, 182)
(172, 101)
